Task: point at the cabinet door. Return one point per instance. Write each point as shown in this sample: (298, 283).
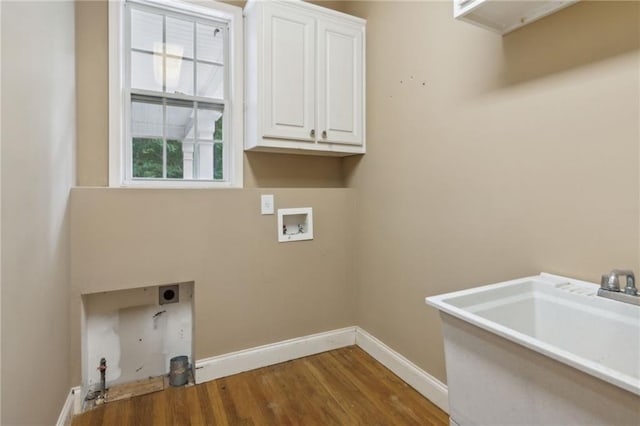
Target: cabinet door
(340, 83)
(289, 74)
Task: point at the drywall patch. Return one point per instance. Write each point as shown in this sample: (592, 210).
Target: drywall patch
(135, 334)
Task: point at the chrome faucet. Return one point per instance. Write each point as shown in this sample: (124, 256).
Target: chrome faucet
(610, 287)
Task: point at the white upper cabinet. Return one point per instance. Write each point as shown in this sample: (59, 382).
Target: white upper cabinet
(504, 16)
(288, 103)
(340, 88)
(305, 79)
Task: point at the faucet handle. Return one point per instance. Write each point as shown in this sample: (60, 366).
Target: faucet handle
(631, 286)
(610, 282)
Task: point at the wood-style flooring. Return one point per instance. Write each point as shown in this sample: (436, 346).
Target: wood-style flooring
(341, 387)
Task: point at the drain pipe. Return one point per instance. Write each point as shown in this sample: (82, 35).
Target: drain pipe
(103, 381)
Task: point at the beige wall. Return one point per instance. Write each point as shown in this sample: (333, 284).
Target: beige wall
(92, 78)
(260, 170)
(38, 132)
(491, 158)
(249, 289)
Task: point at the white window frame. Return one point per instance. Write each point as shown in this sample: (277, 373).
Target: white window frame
(118, 99)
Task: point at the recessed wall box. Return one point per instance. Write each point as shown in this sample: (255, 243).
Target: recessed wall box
(295, 224)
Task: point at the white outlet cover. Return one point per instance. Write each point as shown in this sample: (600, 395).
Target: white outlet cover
(266, 204)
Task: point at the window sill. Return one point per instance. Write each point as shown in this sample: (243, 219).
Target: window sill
(177, 184)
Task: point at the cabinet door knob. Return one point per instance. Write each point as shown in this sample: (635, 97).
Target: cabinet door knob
(324, 134)
(312, 133)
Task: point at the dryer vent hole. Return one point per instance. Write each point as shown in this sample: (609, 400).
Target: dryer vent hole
(169, 294)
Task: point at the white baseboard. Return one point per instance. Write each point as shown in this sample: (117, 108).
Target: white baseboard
(427, 385)
(70, 407)
(262, 356)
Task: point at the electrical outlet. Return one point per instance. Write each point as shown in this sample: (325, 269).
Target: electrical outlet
(266, 204)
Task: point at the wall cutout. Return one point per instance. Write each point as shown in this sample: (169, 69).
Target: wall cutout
(137, 331)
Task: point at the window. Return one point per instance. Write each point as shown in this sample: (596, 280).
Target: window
(175, 94)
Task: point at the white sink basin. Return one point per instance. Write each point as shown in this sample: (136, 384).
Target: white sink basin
(561, 318)
(545, 316)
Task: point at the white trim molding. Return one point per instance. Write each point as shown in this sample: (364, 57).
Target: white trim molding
(427, 385)
(119, 95)
(116, 95)
(263, 356)
(71, 407)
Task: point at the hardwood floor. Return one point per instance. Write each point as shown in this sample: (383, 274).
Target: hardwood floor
(340, 387)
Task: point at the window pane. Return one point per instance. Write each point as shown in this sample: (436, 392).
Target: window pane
(179, 37)
(146, 143)
(171, 138)
(204, 160)
(210, 152)
(210, 43)
(208, 120)
(175, 159)
(179, 74)
(217, 161)
(217, 134)
(147, 158)
(146, 30)
(180, 122)
(146, 71)
(180, 130)
(210, 81)
(146, 120)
